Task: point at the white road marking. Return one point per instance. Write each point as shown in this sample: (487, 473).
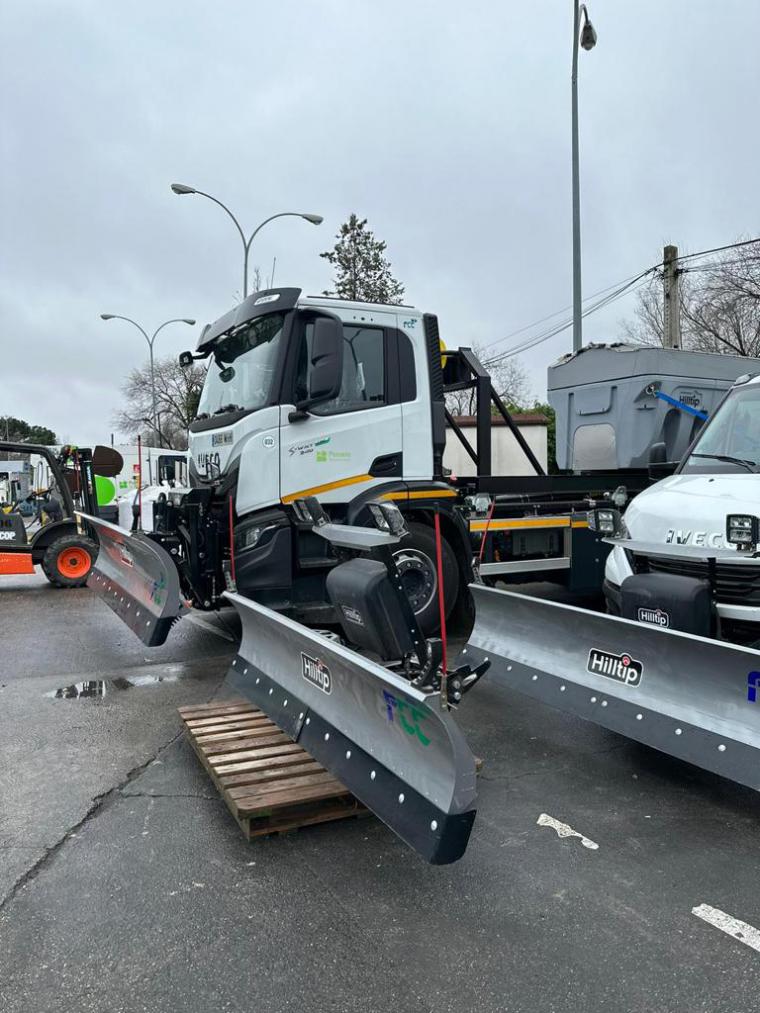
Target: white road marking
(563, 830)
(210, 627)
(731, 926)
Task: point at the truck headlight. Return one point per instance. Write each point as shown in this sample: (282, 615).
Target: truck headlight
(247, 535)
(388, 517)
(742, 529)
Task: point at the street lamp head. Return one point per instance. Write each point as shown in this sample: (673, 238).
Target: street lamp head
(186, 320)
(588, 35)
(314, 219)
(180, 188)
(106, 316)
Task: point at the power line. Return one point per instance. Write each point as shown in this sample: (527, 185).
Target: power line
(720, 249)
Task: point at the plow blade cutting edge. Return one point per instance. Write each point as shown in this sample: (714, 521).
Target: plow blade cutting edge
(137, 579)
(696, 699)
(389, 743)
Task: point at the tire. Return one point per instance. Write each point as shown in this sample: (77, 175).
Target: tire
(416, 560)
(68, 560)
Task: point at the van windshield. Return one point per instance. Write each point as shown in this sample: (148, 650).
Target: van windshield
(242, 366)
(731, 440)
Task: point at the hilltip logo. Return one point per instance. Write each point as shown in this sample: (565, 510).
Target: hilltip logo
(316, 672)
(620, 667)
(655, 617)
(753, 687)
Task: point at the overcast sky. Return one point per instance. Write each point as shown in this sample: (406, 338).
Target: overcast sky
(446, 124)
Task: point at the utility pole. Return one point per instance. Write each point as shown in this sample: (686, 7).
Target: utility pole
(671, 317)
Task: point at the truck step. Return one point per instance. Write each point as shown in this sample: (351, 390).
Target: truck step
(270, 784)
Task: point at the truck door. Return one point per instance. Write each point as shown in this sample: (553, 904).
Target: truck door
(346, 445)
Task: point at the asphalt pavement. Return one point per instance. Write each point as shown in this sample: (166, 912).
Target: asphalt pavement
(125, 885)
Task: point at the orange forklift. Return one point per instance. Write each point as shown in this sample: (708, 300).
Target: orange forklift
(37, 524)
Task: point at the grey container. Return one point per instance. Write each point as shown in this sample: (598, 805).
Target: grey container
(607, 415)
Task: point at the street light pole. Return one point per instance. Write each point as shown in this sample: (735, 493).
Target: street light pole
(587, 39)
(150, 340)
(181, 189)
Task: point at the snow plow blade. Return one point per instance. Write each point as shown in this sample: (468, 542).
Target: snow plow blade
(389, 743)
(137, 579)
(696, 699)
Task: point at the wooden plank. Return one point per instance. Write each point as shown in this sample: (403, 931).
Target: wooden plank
(210, 710)
(299, 765)
(262, 747)
(243, 721)
(287, 781)
(240, 765)
(252, 732)
(303, 816)
(235, 745)
(289, 760)
(283, 799)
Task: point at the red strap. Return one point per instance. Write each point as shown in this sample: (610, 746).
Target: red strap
(232, 546)
(139, 482)
(441, 597)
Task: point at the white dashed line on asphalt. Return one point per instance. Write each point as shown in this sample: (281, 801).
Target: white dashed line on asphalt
(745, 933)
(563, 830)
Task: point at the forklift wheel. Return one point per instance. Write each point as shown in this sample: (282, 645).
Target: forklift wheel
(67, 561)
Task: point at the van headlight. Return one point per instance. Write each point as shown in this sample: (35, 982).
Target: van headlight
(607, 522)
(742, 530)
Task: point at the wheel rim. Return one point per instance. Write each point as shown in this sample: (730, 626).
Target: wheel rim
(418, 577)
(74, 562)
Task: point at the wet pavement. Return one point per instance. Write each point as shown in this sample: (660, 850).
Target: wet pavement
(127, 886)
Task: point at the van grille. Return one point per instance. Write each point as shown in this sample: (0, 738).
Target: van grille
(735, 585)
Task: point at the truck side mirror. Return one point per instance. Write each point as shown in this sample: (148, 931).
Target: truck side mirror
(326, 366)
(185, 359)
(657, 453)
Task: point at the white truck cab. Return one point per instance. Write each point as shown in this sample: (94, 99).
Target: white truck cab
(710, 504)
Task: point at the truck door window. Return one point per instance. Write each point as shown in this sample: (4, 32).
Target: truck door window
(363, 384)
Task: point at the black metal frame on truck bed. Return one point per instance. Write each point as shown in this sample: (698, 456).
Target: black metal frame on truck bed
(532, 525)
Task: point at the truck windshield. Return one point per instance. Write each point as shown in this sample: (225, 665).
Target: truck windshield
(731, 440)
(240, 373)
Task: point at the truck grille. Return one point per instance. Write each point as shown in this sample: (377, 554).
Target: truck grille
(735, 585)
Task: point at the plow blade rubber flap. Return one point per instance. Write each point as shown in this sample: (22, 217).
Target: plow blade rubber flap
(390, 744)
(137, 579)
(696, 699)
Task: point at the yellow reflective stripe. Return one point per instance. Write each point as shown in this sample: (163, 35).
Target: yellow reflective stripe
(421, 494)
(523, 522)
(579, 524)
(327, 487)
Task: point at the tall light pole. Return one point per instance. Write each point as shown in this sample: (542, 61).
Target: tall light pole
(587, 38)
(150, 340)
(181, 189)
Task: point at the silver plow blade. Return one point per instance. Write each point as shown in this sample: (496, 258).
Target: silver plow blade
(137, 579)
(389, 743)
(696, 699)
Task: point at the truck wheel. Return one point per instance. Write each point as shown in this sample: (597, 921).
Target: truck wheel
(67, 561)
(416, 563)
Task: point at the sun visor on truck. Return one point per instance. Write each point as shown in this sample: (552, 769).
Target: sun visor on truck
(269, 300)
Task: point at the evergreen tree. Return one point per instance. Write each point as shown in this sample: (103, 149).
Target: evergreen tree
(361, 270)
(18, 431)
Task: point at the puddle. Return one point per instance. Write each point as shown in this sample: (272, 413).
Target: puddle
(105, 687)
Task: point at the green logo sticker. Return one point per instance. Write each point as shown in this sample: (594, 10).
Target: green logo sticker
(409, 716)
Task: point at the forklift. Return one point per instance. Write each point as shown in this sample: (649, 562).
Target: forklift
(38, 526)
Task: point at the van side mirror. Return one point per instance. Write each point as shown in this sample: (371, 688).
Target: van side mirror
(185, 359)
(326, 366)
(657, 453)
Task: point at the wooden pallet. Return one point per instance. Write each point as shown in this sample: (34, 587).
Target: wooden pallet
(270, 784)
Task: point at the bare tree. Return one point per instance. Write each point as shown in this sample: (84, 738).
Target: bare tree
(720, 305)
(177, 393)
(509, 379)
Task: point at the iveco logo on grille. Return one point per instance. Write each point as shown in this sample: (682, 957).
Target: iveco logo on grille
(655, 617)
(316, 672)
(620, 667)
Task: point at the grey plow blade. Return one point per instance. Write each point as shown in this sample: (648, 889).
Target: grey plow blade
(389, 743)
(696, 699)
(137, 579)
